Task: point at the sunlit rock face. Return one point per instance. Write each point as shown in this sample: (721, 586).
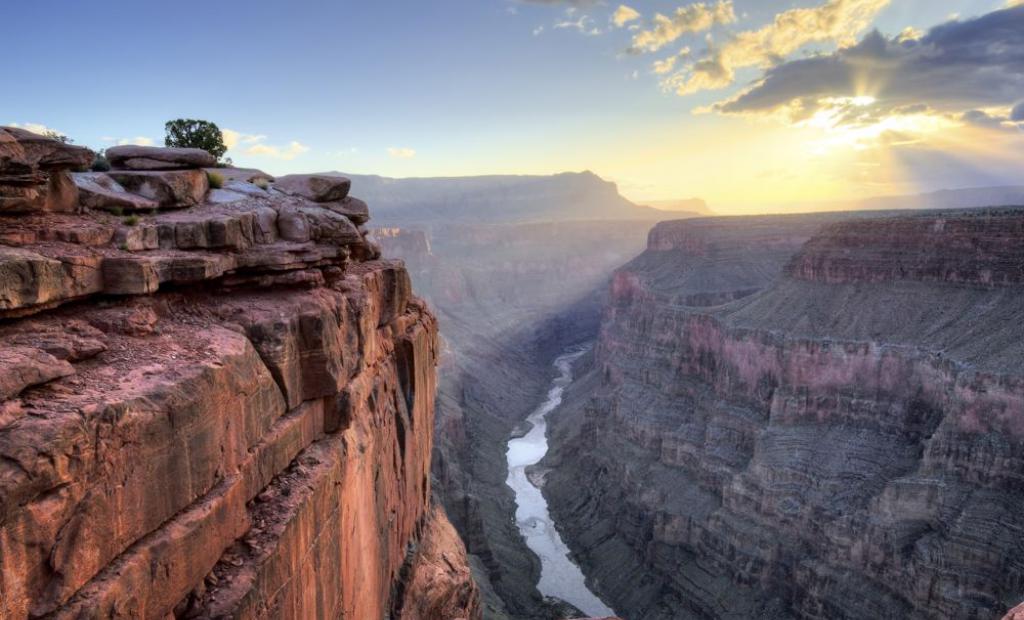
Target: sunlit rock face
(216, 410)
(841, 436)
(35, 172)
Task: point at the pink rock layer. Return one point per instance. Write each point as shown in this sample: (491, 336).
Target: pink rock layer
(843, 443)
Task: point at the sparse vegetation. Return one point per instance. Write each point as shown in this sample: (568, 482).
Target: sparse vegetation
(59, 137)
(117, 211)
(100, 162)
(262, 183)
(131, 220)
(216, 180)
(197, 134)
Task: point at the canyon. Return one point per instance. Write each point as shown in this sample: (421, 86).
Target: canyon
(511, 294)
(215, 402)
(805, 416)
(224, 394)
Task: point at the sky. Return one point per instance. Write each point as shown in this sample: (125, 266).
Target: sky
(749, 104)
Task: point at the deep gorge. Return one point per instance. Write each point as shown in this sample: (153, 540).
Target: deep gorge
(241, 401)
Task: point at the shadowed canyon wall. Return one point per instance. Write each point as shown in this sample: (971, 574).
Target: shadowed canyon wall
(769, 428)
(221, 405)
(509, 297)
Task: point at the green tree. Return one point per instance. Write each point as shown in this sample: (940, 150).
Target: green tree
(196, 134)
(59, 137)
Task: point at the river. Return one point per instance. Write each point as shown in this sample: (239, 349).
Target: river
(560, 577)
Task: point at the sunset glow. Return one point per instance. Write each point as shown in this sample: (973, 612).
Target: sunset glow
(749, 105)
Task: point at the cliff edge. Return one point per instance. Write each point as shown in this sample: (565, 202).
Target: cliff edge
(214, 402)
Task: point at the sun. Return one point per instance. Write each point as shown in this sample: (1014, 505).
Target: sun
(860, 123)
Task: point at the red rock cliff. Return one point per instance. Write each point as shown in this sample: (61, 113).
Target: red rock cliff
(222, 407)
(845, 441)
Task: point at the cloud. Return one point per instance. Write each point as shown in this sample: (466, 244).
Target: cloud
(401, 152)
(909, 34)
(1017, 114)
(666, 65)
(835, 21)
(584, 24)
(289, 152)
(989, 119)
(956, 67)
(255, 145)
(686, 19)
(623, 15)
(38, 128)
(137, 140)
(233, 138)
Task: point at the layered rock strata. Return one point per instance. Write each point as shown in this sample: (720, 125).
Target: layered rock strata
(842, 439)
(35, 172)
(223, 410)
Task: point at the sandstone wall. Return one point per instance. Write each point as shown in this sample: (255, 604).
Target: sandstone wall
(222, 409)
(844, 443)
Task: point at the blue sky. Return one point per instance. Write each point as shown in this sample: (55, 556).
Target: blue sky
(453, 88)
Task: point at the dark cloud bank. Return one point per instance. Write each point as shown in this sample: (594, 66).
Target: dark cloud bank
(955, 67)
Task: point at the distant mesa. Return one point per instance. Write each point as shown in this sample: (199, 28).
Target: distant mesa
(964, 198)
(691, 205)
(510, 199)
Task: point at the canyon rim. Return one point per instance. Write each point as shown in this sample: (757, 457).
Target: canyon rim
(512, 310)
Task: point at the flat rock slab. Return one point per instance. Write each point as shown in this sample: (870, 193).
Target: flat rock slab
(131, 157)
(22, 150)
(234, 191)
(315, 187)
(245, 175)
(23, 367)
(97, 190)
(168, 188)
(352, 208)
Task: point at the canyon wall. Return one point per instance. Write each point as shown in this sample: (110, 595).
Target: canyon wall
(214, 403)
(509, 298)
(831, 429)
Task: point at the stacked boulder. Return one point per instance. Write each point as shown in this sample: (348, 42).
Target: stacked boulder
(34, 172)
(153, 221)
(148, 177)
(329, 192)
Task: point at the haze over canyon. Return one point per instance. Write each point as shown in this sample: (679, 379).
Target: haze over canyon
(512, 310)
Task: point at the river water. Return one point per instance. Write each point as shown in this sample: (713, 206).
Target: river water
(559, 575)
